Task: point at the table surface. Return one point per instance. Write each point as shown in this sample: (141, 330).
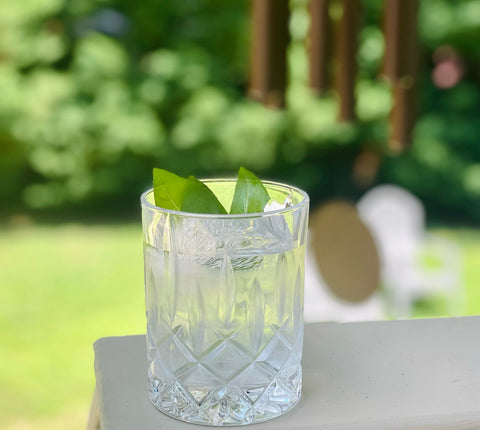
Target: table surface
(386, 375)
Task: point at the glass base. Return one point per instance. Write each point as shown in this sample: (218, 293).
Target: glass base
(227, 405)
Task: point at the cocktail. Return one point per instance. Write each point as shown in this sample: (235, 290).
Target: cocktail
(224, 301)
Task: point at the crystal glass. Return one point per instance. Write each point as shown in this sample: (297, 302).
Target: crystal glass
(224, 304)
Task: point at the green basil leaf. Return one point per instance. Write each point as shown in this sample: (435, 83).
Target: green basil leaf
(188, 195)
(201, 199)
(250, 194)
(168, 189)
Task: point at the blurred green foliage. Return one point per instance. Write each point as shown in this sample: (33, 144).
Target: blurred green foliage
(94, 93)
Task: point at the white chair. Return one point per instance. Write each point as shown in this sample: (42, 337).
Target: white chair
(396, 219)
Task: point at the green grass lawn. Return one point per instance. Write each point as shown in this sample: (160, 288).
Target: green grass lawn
(468, 241)
(61, 288)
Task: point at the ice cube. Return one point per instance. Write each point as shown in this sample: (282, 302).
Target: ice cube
(273, 205)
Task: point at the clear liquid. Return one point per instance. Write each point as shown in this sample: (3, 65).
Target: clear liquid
(225, 334)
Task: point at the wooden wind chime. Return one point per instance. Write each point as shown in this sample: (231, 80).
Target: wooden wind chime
(334, 28)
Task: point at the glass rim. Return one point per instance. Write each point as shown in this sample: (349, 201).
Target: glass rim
(304, 201)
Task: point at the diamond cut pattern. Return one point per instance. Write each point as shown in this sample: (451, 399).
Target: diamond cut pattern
(199, 381)
(281, 288)
(226, 360)
(174, 355)
(226, 352)
(196, 320)
(274, 385)
(226, 294)
(256, 315)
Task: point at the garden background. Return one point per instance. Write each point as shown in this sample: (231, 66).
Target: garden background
(95, 93)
